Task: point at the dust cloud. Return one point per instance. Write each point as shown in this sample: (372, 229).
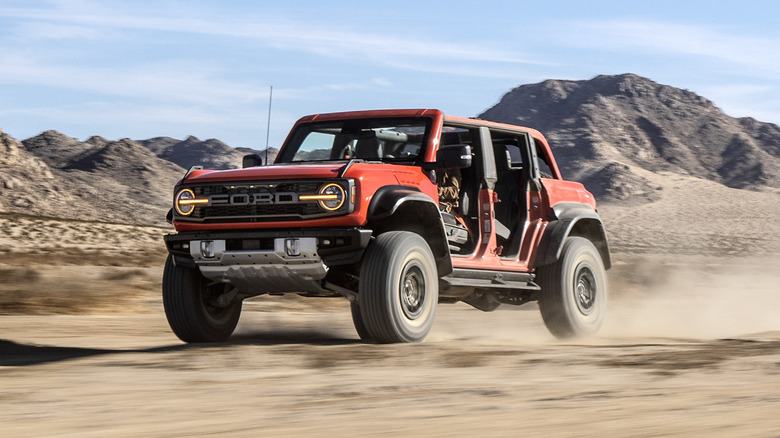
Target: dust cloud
(693, 297)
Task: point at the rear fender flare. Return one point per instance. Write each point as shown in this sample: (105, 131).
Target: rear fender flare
(572, 219)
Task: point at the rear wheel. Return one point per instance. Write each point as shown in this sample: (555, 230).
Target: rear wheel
(573, 300)
(399, 288)
(191, 306)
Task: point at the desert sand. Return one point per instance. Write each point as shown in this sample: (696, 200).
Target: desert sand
(691, 345)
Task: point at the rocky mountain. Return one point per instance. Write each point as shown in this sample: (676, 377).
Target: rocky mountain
(211, 154)
(608, 130)
(125, 181)
(110, 181)
(268, 157)
(27, 183)
(623, 136)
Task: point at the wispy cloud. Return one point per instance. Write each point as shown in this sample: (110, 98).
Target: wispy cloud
(111, 118)
(182, 80)
(53, 31)
(654, 37)
(320, 91)
(159, 82)
(68, 20)
(140, 64)
(740, 100)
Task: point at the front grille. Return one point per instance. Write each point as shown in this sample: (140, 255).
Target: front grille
(261, 201)
(257, 188)
(258, 212)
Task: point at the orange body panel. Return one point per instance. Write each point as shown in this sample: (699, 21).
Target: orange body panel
(369, 177)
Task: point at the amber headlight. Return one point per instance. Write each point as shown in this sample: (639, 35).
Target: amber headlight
(185, 202)
(331, 197)
(335, 197)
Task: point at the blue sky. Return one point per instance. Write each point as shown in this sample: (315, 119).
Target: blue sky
(141, 69)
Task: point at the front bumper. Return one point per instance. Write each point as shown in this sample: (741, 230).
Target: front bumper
(268, 261)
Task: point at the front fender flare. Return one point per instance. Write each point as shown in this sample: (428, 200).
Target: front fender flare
(388, 199)
(396, 208)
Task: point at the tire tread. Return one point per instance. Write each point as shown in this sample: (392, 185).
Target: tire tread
(378, 261)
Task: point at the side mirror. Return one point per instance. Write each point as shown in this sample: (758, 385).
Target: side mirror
(252, 160)
(456, 156)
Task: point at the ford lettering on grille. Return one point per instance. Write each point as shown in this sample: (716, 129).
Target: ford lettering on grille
(256, 198)
(262, 202)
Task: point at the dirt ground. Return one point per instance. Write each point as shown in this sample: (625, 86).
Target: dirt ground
(691, 346)
(304, 373)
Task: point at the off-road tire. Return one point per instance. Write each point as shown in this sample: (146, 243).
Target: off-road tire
(191, 315)
(573, 300)
(399, 288)
(357, 320)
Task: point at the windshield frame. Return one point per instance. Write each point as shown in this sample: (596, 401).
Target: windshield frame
(357, 127)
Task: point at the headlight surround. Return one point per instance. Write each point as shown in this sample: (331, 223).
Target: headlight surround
(185, 202)
(333, 197)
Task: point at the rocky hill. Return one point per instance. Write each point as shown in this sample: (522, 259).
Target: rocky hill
(101, 180)
(211, 154)
(624, 136)
(604, 131)
(123, 181)
(27, 183)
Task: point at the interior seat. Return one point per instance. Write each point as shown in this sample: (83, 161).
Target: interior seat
(369, 148)
(507, 189)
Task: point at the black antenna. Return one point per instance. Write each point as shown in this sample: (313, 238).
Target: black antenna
(268, 128)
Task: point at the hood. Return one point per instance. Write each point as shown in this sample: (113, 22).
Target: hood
(273, 172)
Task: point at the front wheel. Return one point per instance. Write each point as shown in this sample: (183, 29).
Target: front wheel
(191, 307)
(399, 289)
(573, 300)
(357, 320)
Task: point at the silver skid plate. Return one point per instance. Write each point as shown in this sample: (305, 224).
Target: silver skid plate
(292, 266)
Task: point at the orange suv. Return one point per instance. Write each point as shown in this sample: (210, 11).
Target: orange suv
(397, 211)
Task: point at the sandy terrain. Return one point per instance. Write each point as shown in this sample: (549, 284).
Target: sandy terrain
(293, 373)
(691, 345)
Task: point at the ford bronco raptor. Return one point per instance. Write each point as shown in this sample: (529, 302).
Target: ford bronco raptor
(351, 208)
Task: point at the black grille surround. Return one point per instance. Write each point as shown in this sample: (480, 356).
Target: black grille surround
(262, 201)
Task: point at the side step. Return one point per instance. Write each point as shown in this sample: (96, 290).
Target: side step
(490, 279)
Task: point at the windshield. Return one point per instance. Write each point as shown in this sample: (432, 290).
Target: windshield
(393, 139)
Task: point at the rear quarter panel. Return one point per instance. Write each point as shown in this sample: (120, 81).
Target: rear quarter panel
(557, 191)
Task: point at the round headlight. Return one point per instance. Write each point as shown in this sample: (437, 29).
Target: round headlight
(183, 207)
(335, 197)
